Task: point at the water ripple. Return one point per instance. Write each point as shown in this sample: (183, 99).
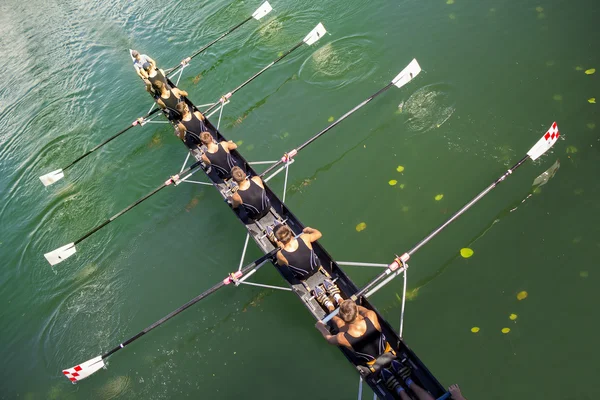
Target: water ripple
(340, 63)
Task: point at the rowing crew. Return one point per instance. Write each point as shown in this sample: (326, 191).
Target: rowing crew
(358, 327)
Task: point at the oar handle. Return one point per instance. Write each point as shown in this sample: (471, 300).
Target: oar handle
(205, 47)
(134, 123)
(253, 77)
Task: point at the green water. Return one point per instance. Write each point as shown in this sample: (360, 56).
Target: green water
(496, 74)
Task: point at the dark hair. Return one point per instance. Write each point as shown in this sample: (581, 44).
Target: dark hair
(180, 107)
(147, 66)
(283, 233)
(348, 310)
(206, 138)
(158, 85)
(134, 53)
(238, 174)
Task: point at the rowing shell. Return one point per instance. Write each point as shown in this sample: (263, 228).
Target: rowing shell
(279, 213)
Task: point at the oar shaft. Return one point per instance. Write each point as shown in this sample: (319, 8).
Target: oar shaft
(343, 117)
(109, 140)
(195, 300)
(256, 75)
(152, 193)
(457, 214)
(205, 47)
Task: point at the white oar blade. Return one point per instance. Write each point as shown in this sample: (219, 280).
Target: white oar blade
(60, 254)
(52, 177)
(263, 10)
(84, 370)
(315, 34)
(407, 74)
(544, 143)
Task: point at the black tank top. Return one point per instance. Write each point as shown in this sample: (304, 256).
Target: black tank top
(370, 345)
(158, 77)
(255, 200)
(171, 104)
(222, 161)
(303, 262)
(193, 128)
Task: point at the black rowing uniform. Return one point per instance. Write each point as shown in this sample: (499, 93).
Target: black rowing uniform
(370, 345)
(303, 262)
(222, 161)
(193, 128)
(255, 201)
(158, 77)
(171, 105)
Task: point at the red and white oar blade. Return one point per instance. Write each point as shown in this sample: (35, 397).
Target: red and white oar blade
(407, 74)
(263, 10)
(545, 142)
(84, 370)
(315, 34)
(62, 253)
(52, 177)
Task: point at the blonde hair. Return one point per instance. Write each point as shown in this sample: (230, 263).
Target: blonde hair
(206, 138)
(238, 174)
(348, 310)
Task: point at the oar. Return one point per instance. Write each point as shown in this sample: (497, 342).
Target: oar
(62, 253)
(83, 370)
(397, 267)
(407, 74)
(58, 174)
(311, 38)
(263, 10)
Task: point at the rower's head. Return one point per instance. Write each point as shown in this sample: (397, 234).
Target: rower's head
(206, 138)
(283, 233)
(135, 54)
(147, 67)
(348, 311)
(238, 174)
(158, 86)
(182, 108)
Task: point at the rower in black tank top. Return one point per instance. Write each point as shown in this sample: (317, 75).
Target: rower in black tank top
(303, 262)
(255, 201)
(193, 128)
(222, 161)
(171, 104)
(157, 77)
(370, 345)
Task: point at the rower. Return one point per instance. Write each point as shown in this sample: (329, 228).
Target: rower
(190, 126)
(139, 60)
(218, 155)
(250, 195)
(153, 75)
(298, 254)
(359, 331)
(168, 99)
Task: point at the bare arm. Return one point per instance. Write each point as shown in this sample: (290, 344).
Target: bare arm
(236, 200)
(281, 260)
(313, 234)
(371, 315)
(198, 114)
(229, 145)
(180, 92)
(205, 159)
(160, 103)
(331, 339)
